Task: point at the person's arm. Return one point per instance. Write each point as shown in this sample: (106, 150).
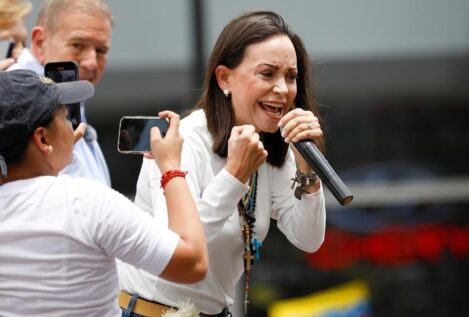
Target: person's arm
(189, 262)
(302, 221)
(216, 193)
(5, 63)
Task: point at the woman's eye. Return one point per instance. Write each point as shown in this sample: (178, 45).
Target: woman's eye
(267, 74)
(292, 77)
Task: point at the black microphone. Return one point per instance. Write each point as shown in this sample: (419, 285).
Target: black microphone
(326, 173)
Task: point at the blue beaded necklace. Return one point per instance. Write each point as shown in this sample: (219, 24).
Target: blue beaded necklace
(247, 207)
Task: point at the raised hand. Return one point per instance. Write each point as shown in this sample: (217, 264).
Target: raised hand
(167, 151)
(245, 152)
(297, 125)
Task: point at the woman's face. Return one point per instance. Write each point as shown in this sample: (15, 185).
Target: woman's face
(263, 86)
(61, 138)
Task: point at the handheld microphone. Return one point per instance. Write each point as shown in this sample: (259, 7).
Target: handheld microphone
(326, 173)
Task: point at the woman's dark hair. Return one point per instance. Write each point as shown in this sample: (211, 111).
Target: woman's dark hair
(16, 152)
(246, 29)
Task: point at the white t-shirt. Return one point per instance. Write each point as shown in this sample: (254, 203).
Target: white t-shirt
(216, 193)
(59, 238)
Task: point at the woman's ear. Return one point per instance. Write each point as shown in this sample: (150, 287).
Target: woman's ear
(223, 74)
(41, 141)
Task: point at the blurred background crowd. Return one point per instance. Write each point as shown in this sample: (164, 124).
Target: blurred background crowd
(400, 69)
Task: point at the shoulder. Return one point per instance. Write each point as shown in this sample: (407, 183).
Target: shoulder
(26, 60)
(82, 187)
(196, 120)
(194, 129)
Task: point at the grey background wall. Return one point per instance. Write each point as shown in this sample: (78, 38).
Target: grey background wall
(154, 33)
(362, 51)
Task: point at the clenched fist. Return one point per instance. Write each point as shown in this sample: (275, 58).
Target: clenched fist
(245, 152)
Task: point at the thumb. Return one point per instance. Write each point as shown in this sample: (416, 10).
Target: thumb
(155, 133)
(79, 132)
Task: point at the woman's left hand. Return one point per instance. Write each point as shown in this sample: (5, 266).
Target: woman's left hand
(297, 125)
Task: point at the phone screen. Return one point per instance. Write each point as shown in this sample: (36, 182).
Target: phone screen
(134, 133)
(64, 72)
(6, 48)
(61, 75)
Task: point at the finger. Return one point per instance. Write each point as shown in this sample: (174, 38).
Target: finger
(174, 121)
(305, 122)
(17, 50)
(310, 129)
(5, 63)
(308, 134)
(155, 134)
(155, 138)
(289, 121)
(289, 127)
(167, 114)
(260, 145)
(79, 132)
(289, 115)
(248, 130)
(236, 131)
(264, 156)
(148, 155)
(256, 137)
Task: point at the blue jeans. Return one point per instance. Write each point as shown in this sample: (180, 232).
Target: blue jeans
(128, 311)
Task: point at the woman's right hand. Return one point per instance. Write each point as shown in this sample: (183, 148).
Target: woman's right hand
(167, 151)
(245, 152)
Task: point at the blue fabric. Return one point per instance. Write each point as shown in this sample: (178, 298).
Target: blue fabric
(128, 311)
(130, 314)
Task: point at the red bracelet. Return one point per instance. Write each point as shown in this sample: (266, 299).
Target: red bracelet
(167, 176)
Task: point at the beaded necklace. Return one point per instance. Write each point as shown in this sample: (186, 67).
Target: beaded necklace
(246, 208)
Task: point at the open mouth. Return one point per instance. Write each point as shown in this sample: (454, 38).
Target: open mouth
(274, 110)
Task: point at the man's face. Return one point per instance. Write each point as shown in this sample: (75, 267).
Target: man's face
(80, 37)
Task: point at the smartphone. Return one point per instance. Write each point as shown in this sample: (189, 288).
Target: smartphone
(62, 72)
(134, 133)
(6, 48)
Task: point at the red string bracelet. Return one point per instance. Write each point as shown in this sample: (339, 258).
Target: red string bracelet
(168, 175)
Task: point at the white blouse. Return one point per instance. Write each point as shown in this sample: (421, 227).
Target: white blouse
(217, 194)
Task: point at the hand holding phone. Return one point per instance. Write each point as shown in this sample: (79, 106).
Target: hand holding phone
(63, 72)
(164, 145)
(167, 151)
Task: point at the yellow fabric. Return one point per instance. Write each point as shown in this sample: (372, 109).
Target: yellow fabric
(339, 299)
